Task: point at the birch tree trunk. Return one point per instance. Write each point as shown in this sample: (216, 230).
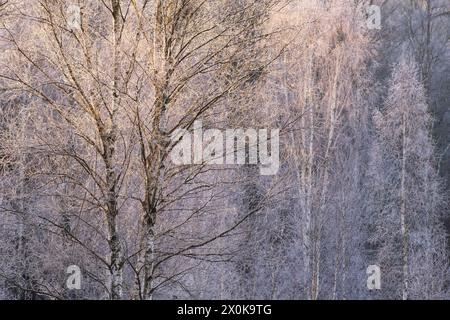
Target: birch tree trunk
(109, 138)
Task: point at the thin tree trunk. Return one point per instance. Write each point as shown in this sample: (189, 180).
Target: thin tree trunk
(404, 230)
(319, 220)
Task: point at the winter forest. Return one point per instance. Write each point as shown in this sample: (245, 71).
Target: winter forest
(348, 99)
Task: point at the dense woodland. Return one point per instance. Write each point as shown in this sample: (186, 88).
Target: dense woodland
(87, 116)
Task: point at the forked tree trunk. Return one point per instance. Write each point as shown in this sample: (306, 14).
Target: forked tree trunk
(153, 161)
